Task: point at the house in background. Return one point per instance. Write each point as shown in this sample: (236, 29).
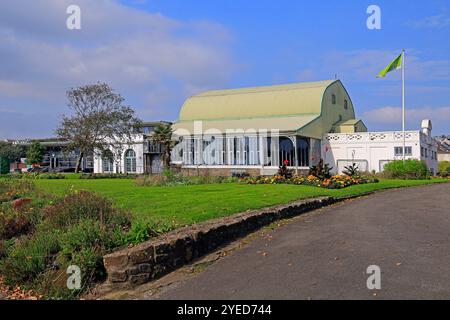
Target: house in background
(443, 148)
(255, 130)
(142, 156)
(56, 157)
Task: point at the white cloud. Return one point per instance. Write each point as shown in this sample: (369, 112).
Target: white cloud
(147, 57)
(437, 21)
(390, 116)
(366, 64)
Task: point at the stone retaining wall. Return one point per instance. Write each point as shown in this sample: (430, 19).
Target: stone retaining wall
(155, 258)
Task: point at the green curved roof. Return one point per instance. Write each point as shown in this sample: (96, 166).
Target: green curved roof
(306, 108)
(298, 99)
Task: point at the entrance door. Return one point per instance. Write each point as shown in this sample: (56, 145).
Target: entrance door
(156, 164)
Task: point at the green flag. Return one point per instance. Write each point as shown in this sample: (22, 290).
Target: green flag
(394, 65)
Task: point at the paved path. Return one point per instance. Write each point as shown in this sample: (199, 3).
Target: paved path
(325, 254)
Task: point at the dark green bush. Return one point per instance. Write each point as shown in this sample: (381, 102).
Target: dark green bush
(408, 169)
(30, 256)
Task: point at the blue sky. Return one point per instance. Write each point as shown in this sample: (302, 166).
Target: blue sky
(158, 52)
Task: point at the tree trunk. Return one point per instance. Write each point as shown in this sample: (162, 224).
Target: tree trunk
(78, 165)
(167, 159)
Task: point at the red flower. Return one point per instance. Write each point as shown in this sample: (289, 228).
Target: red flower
(286, 162)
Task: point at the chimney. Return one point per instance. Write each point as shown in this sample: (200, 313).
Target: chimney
(426, 127)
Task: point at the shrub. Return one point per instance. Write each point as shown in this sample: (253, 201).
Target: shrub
(444, 169)
(408, 169)
(52, 284)
(11, 189)
(142, 231)
(240, 175)
(78, 230)
(80, 205)
(84, 245)
(352, 170)
(51, 176)
(321, 170)
(107, 176)
(284, 172)
(86, 233)
(5, 247)
(334, 182)
(14, 223)
(169, 178)
(90, 261)
(30, 256)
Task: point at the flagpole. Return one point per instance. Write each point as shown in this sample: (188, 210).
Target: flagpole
(403, 104)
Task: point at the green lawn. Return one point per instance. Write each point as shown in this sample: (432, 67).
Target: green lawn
(191, 204)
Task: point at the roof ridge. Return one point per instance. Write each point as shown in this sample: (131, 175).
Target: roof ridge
(263, 89)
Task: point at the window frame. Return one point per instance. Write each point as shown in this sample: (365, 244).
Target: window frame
(130, 161)
(398, 151)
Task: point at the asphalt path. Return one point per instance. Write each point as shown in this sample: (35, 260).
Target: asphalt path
(325, 255)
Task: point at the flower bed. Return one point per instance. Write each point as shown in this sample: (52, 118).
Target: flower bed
(335, 182)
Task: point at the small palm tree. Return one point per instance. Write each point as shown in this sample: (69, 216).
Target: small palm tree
(163, 135)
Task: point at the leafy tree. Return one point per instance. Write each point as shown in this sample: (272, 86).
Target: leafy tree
(163, 135)
(13, 152)
(35, 153)
(100, 121)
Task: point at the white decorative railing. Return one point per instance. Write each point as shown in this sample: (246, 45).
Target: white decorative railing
(372, 136)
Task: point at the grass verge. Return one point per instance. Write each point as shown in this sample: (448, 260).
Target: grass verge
(197, 203)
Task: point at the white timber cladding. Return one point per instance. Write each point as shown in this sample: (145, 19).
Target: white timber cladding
(372, 150)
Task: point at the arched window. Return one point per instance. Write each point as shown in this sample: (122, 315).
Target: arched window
(345, 104)
(108, 162)
(303, 152)
(333, 99)
(130, 161)
(286, 151)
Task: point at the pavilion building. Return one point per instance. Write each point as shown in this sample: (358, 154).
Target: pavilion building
(255, 130)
